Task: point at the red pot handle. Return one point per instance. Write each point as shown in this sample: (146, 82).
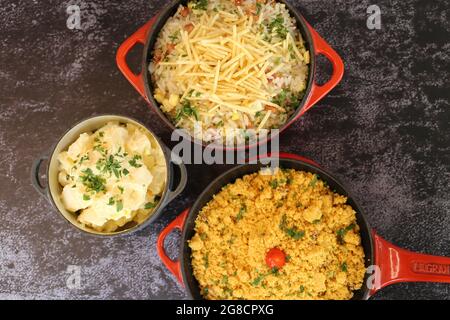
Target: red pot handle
(322, 47)
(173, 265)
(400, 265)
(139, 36)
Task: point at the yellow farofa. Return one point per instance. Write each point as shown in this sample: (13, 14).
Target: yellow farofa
(247, 218)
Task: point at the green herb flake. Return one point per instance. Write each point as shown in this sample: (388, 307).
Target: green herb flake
(119, 206)
(205, 291)
(257, 280)
(150, 205)
(125, 172)
(86, 197)
(92, 182)
(258, 8)
(342, 232)
(291, 232)
(83, 159)
(277, 26)
(274, 184)
(314, 180)
(200, 4)
(121, 189)
(344, 267)
(174, 37)
(241, 213)
(133, 162)
(186, 111)
(111, 201)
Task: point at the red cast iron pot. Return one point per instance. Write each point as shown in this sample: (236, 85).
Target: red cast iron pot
(392, 264)
(148, 34)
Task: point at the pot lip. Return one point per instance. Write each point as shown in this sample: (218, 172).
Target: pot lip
(158, 210)
(162, 18)
(193, 210)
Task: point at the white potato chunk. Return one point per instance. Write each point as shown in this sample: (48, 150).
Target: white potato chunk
(79, 147)
(138, 143)
(141, 176)
(98, 214)
(65, 161)
(159, 179)
(73, 199)
(63, 178)
(114, 137)
(134, 196)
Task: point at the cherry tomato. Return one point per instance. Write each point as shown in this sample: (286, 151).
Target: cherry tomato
(275, 258)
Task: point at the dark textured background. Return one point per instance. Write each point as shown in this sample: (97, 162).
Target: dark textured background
(384, 131)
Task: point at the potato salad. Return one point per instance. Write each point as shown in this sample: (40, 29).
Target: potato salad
(112, 176)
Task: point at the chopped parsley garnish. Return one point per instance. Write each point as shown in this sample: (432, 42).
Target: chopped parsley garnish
(92, 182)
(241, 213)
(200, 4)
(101, 134)
(342, 232)
(205, 291)
(133, 162)
(119, 205)
(86, 197)
(287, 99)
(277, 26)
(121, 189)
(150, 205)
(186, 111)
(111, 201)
(258, 8)
(257, 281)
(100, 149)
(206, 260)
(174, 37)
(313, 182)
(274, 184)
(110, 165)
(291, 232)
(125, 172)
(83, 159)
(344, 267)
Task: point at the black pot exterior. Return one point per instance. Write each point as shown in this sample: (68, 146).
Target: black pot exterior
(170, 10)
(189, 280)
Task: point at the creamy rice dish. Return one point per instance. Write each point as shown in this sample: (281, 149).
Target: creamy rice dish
(112, 176)
(229, 67)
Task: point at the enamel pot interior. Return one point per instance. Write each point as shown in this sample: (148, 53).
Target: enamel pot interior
(189, 280)
(55, 189)
(170, 10)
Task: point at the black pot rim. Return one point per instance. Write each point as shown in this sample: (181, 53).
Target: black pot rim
(152, 36)
(365, 229)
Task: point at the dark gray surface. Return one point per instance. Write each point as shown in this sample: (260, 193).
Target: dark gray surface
(384, 131)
